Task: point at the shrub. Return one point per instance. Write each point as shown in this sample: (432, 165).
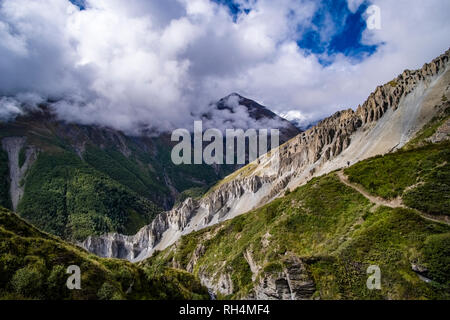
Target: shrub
(108, 292)
(27, 282)
(437, 258)
(56, 282)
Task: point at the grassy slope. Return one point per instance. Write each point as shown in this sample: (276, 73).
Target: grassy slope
(125, 171)
(194, 193)
(146, 172)
(420, 176)
(33, 266)
(330, 226)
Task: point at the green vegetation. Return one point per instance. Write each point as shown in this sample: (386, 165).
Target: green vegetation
(333, 229)
(33, 266)
(242, 172)
(421, 176)
(392, 239)
(88, 180)
(184, 177)
(125, 170)
(437, 258)
(5, 200)
(194, 193)
(135, 176)
(336, 232)
(433, 194)
(66, 197)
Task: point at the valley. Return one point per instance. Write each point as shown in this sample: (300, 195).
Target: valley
(323, 235)
(75, 181)
(384, 123)
(305, 221)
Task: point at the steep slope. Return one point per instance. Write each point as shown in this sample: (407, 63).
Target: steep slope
(74, 181)
(139, 163)
(390, 117)
(262, 116)
(33, 266)
(318, 241)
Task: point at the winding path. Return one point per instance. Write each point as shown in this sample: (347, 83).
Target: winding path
(396, 203)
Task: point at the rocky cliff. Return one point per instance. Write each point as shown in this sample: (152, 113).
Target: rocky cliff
(13, 147)
(386, 121)
(293, 283)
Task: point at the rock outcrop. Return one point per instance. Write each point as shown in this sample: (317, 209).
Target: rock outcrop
(389, 118)
(221, 283)
(442, 133)
(293, 283)
(140, 246)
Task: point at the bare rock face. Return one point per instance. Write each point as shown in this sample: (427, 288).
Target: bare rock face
(135, 248)
(443, 132)
(386, 121)
(254, 267)
(13, 146)
(221, 283)
(293, 283)
(199, 251)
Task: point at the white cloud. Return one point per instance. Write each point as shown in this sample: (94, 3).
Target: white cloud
(9, 108)
(149, 63)
(353, 5)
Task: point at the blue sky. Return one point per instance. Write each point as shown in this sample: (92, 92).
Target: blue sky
(346, 38)
(79, 3)
(234, 7)
(121, 63)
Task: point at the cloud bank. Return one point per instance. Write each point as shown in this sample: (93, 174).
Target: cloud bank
(150, 64)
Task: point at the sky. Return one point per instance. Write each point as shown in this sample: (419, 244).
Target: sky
(151, 64)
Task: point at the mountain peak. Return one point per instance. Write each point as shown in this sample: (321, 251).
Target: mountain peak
(234, 94)
(256, 112)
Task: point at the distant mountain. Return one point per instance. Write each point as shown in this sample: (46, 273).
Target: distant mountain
(78, 180)
(298, 120)
(361, 188)
(260, 114)
(389, 118)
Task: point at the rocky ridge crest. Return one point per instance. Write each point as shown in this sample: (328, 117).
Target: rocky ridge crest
(391, 116)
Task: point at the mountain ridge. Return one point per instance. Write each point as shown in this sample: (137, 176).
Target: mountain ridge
(318, 241)
(386, 121)
(50, 165)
